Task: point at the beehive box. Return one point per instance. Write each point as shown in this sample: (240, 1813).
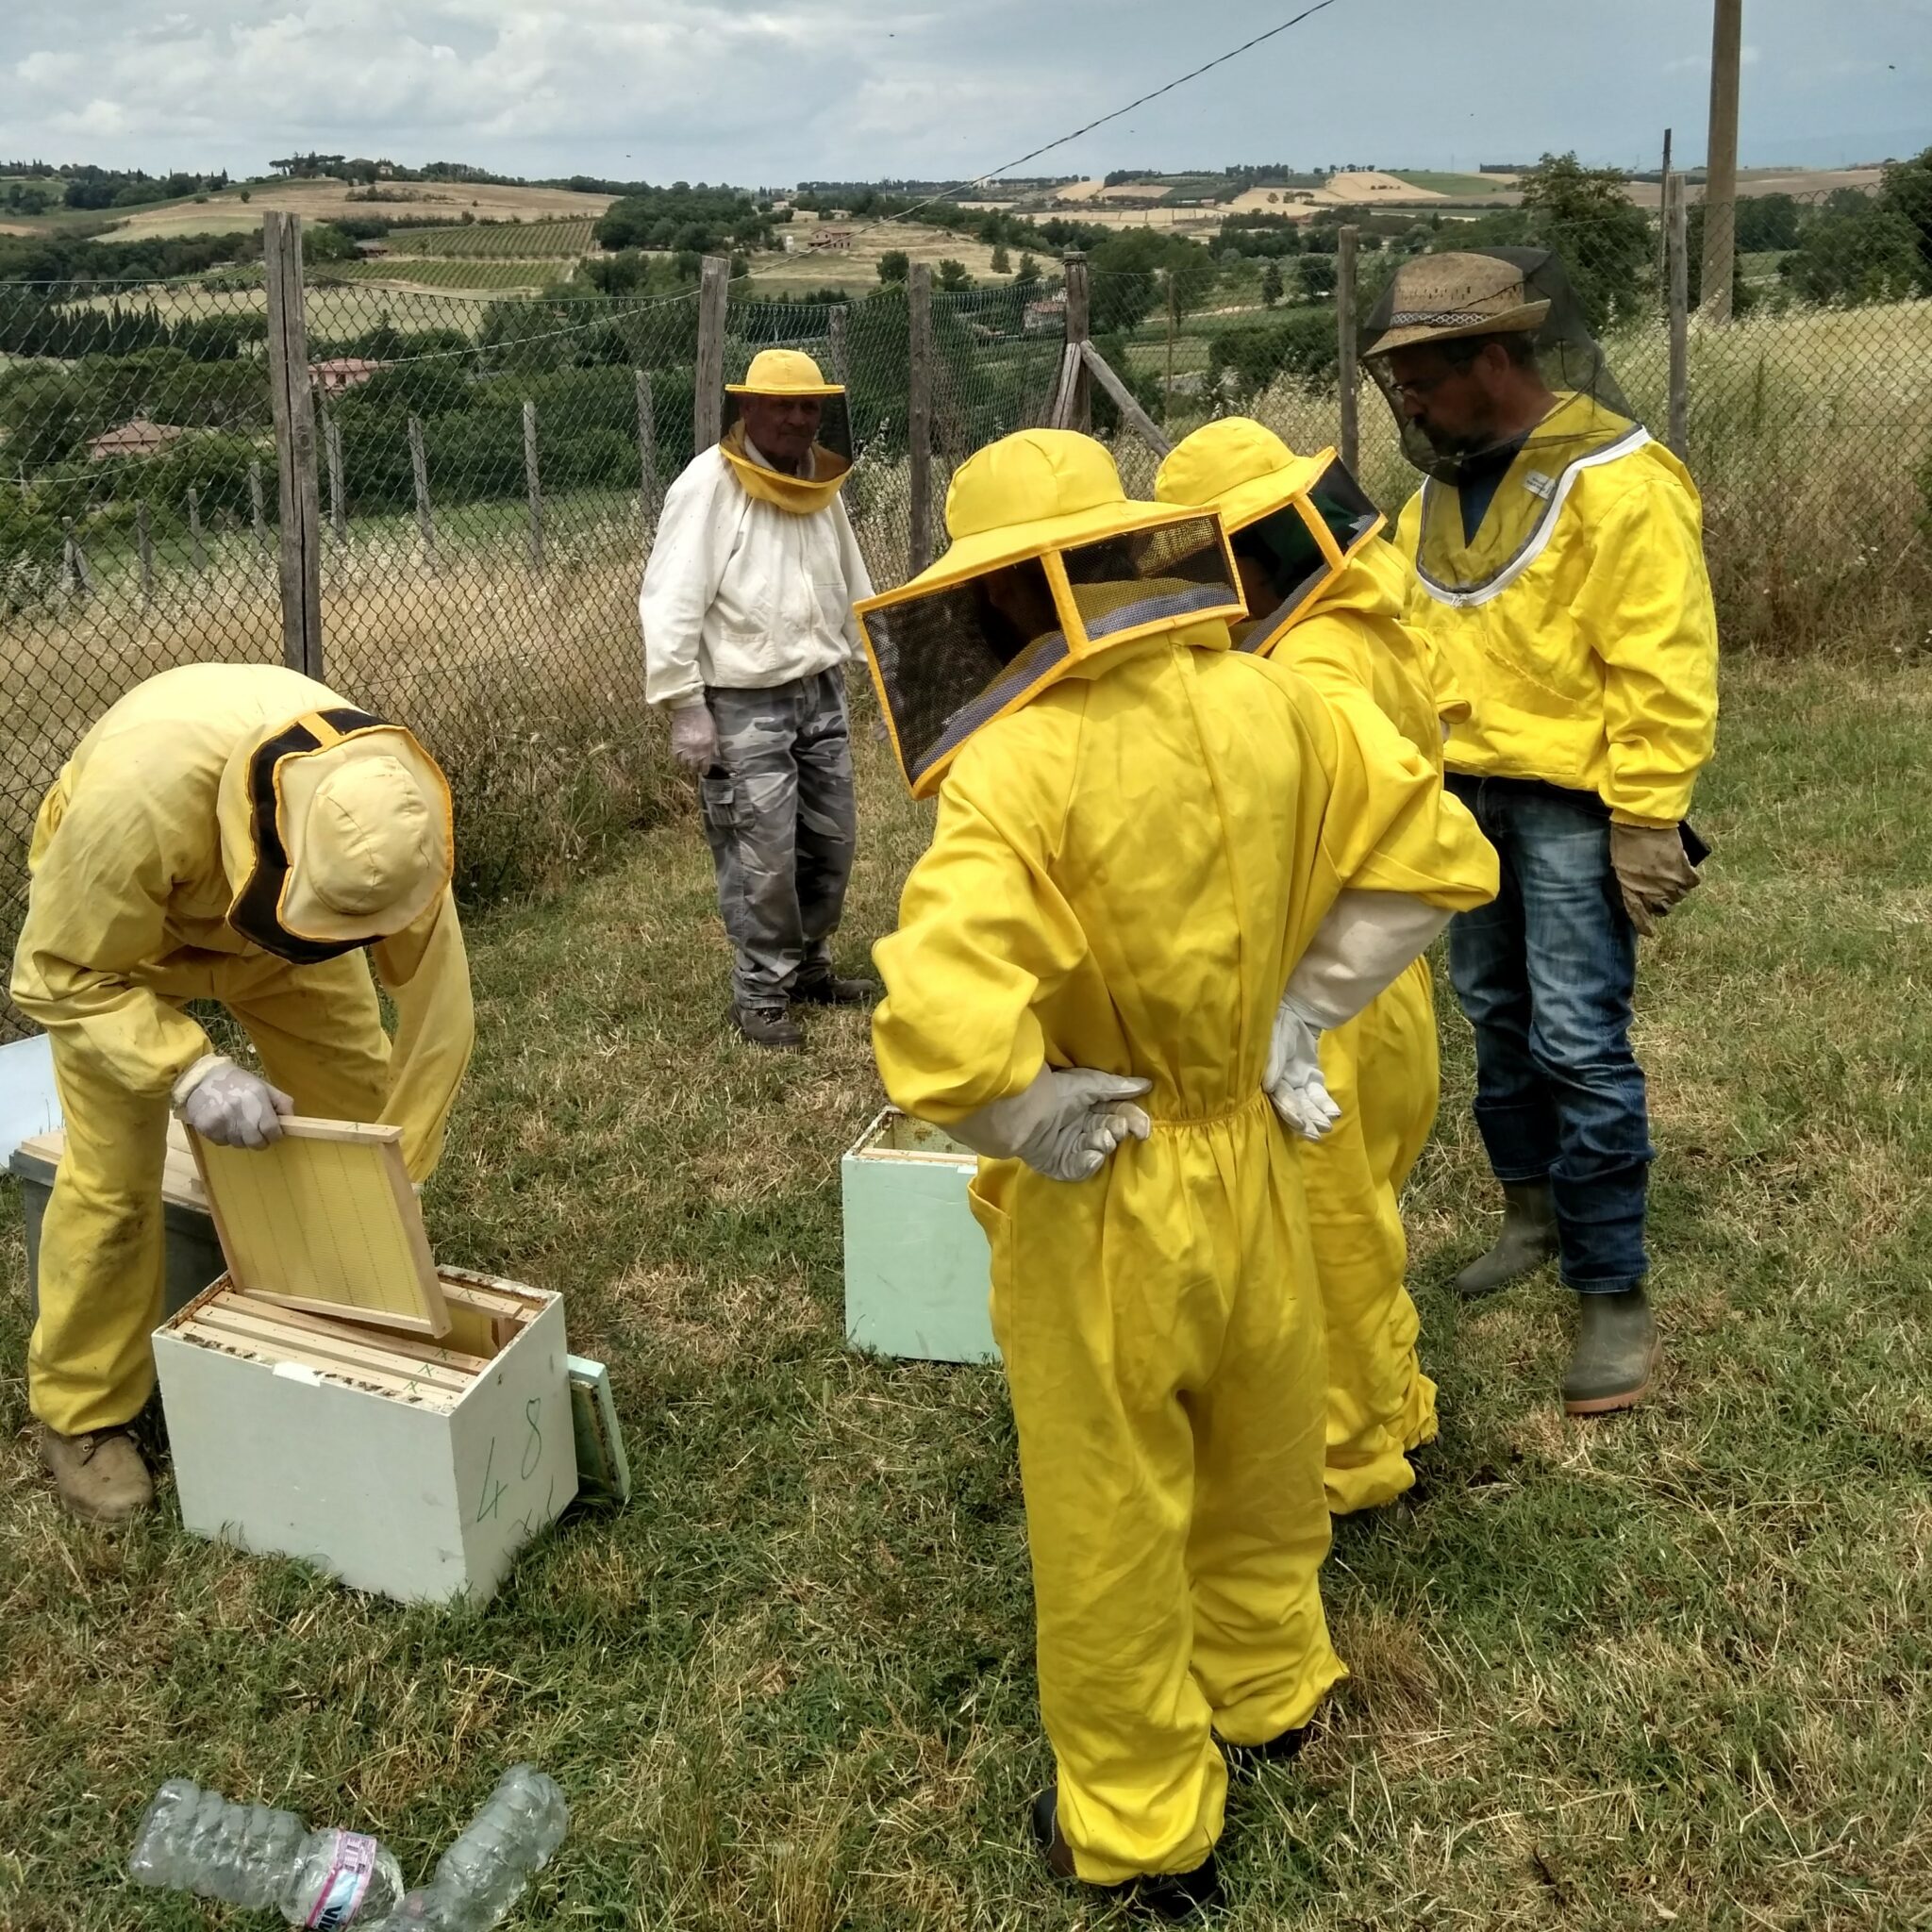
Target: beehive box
(918, 1275)
(338, 1397)
(194, 1253)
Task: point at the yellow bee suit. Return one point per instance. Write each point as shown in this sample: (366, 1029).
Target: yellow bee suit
(1578, 621)
(1123, 872)
(1382, 1069)
(125, 922)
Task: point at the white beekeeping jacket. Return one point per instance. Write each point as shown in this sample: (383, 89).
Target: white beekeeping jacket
(741, 593)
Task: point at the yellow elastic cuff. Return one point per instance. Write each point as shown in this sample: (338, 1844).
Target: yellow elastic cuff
(194, 1076)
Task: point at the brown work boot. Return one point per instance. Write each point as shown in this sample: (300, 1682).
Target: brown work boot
(99, 1476)
(767, 1026)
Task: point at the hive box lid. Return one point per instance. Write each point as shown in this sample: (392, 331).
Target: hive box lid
(326, 1219)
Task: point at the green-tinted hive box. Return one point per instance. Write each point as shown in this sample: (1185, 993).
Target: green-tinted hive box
(917, 1271)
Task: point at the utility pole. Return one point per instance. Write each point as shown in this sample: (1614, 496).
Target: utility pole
(1720, 163)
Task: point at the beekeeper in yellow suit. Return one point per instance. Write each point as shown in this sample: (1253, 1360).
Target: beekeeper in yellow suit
(235, 833)
(1326, 593)
(1141, 835)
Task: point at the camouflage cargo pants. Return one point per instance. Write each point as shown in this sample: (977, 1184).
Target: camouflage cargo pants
(781, 822)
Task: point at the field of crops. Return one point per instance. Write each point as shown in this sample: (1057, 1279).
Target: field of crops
(450, 273)
(486, 240)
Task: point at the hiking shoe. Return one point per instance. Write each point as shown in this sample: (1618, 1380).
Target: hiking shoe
(1617, 1352)
(828, 990)
(1527, 1241)
(99, 1476)
(1279, 1750)
(1160, 1894)
(767, 1026)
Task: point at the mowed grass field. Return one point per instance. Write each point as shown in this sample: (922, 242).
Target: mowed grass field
(317, 200)
(1667, 1670)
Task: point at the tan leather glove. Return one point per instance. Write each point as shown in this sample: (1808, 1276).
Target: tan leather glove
(1653, 870)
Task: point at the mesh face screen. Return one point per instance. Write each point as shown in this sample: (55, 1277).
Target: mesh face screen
(1165, 576)
(949, 661)
(1281, 559)
(834, 425)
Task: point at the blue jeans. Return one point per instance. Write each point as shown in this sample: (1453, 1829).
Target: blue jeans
(1546, 975)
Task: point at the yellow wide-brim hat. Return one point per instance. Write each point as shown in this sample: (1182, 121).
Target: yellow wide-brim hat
(784, 373)
(1241, 468)
(1445, 298)
(336, 831)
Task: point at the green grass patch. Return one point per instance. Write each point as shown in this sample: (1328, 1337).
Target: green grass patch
(448, 272)
(570, 235)
(1671, 1670)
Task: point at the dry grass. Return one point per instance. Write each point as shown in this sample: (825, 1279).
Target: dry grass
(1667, 1671)
(227, 213)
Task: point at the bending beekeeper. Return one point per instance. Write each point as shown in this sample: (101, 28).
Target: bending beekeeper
(1560, 563)
(1326, 592)
(1143, 841)
(235, 833)
(747, 616)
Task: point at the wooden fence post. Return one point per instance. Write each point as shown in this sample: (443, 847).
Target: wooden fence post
(1679, 224)
(707, 399)
(1080, 316)
(836, 348)
(145, 549)
(1347, 381)
(534, 484)
(256, 515)
(1132, 414)
(338, 504)
(195, 556)
(647, 448)
(72, 561)
(297, 511)
(419, 469)
(919, 416)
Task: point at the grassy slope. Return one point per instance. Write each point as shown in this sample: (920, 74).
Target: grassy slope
(1672, 1665)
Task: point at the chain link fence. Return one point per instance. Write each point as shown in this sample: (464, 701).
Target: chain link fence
(489, 471)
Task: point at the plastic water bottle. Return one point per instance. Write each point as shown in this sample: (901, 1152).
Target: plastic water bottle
(248, 1854)
(483, 1874)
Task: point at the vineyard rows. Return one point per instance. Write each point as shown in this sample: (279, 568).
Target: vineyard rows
(530, 240)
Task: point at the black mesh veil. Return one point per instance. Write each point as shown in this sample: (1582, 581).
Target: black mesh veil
(950, 659)
(1436, 306)
(1281, 559)
(834, 432)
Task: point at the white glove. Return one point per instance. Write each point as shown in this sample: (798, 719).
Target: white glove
(1293, 1079)
(694, 736)
(230, 1105)
(1064, 1125)
(1359, 948)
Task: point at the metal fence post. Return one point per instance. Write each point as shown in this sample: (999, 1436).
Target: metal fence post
(707, 398)
(919, 415)
(1680, 315)
(533, 484)
(1346, 380)
(647, 448)
(1080, 316)
(297, 511)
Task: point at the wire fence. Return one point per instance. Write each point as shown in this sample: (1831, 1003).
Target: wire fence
(489, 471)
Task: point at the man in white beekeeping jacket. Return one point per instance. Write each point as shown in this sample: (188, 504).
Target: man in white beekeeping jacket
(747, 615)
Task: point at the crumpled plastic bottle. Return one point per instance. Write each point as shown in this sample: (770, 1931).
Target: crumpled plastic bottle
(478, 1880)
(248, 1854)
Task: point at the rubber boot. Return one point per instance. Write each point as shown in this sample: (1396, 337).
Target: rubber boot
(1527, 1241)
(100, 1477)
(1617, 1352)
(1171, 1895)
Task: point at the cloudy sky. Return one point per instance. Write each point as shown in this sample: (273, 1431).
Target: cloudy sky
(776, 90)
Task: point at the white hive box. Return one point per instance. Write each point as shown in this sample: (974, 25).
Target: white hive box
(918, 1275)
(408, 1452)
